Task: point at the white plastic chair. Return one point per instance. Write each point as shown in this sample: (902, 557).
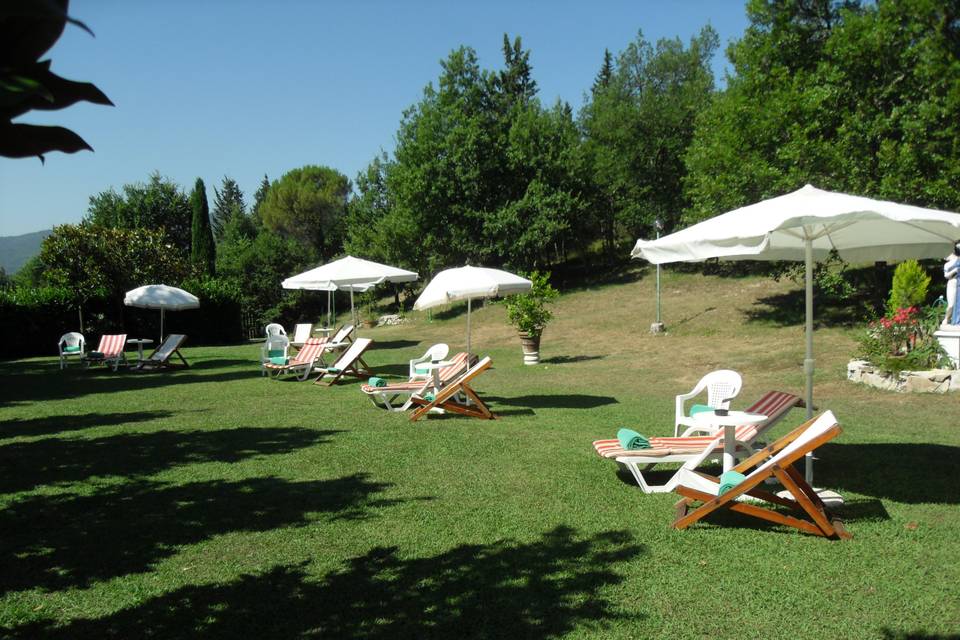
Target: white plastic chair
(276, 344)
(436, 352)
(274, 329)
(722, 386)
(71, 344)
(301, 333)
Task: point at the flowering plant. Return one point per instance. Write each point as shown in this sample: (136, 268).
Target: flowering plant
(903, 340)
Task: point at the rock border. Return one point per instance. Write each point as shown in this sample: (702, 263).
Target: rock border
(932, 381)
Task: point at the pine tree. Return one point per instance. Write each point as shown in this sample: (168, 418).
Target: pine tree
(258, 199)
(225, 202)
(203, 254)
(605, 74)
(515, 81)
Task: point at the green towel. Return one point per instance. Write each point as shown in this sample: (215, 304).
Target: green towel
(278, 360)
(630, 439)
(429, 397)
(729, 480)
(333, 370)
(275, 353)
(421, 370)
(377, 382)
(699, 408)
(74, 349)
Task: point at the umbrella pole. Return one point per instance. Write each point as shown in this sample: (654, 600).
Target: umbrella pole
(469, 300)
(161, 326)
(353, 313)
(808, 363)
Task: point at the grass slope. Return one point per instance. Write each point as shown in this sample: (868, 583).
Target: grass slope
(214, 503)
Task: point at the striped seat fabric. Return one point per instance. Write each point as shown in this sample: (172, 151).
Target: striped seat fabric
(110, 346)
(304, 359)
(457, 364)
(772, 404)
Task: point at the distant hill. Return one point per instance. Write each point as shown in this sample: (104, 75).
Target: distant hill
(16, 250)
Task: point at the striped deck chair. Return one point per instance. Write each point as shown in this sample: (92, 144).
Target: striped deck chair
(448, 398)
(160, 358)
(301, 364)
(693, 450)
(350, 363)
(387, 396)
(110, 351)
(774, 461)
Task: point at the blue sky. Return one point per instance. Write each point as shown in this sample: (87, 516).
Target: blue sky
(243, 88)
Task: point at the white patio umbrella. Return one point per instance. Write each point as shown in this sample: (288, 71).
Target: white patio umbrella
(348, 274)
(163, 297)
(468, 283)
(806, 225)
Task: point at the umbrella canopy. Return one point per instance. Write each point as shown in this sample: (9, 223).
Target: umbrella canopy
(348, 274)
(467, 283)
(805, 225)
(163, 297)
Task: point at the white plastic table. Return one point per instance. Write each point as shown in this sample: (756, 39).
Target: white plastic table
(710, 420)
(139, 342)
(326, 331)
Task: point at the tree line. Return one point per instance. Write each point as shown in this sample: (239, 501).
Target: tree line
(854, 96)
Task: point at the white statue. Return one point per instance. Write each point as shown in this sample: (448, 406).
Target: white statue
(951, 264)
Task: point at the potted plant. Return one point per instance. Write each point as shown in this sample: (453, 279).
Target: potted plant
(529, 314)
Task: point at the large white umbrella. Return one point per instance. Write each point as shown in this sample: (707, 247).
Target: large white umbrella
(467, 283)
(806, 225)
(349, 274)
(163, 297)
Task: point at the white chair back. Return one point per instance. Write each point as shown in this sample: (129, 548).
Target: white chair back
(274, 329)
(72, 339)
(301, 333)
(438, 351)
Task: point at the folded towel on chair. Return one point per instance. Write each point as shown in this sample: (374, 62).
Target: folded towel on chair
(275, 353)
(630, 439)
(700, 408)
(377, 382)
(728, 480)
(73, 349)
(333, 370)
(278, 360)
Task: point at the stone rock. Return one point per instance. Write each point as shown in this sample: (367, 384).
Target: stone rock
(390, 320)
(933, 381)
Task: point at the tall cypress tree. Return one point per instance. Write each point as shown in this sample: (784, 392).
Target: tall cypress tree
(226, 201)
(606, 73)
(203, 254)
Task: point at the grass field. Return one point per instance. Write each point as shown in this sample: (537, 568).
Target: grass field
(214, 503)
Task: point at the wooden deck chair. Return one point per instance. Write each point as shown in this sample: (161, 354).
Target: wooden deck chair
(448, 400)
(301, 333)
(160, 358)
(110, 351)
(693, 450)
(350, 363)
(337, 342)
(388, 396)
(301, 364)
(774, 461)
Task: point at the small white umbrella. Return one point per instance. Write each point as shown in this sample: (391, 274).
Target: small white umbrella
(467, 283)
(806, 225)
(348, 274)
(163, 297)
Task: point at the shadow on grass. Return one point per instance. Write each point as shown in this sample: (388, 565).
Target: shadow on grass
(72, 540)
(912, 473)
(890, 634)
(789, 309)
(558, 401)
(540, 589)
(48, 425)
(569, 359)
(393, 370)
(26, 465)
(694, 316)
(35, 384)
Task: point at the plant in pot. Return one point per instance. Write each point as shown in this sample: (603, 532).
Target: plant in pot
(529, 314)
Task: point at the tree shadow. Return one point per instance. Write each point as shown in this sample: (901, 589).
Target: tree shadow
(52, 461)
(570, 359)
(540, 589)
(694, 316)
(556, 401)
(393, 370)
(72, 540)
(48, 425)
(789, 309)
(912, 473)
(890, 634)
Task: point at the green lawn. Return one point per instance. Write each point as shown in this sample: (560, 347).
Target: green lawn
(215, 503)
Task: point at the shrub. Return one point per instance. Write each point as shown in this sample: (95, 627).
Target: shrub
(910, 284)
(527, 311)
(903, 341)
